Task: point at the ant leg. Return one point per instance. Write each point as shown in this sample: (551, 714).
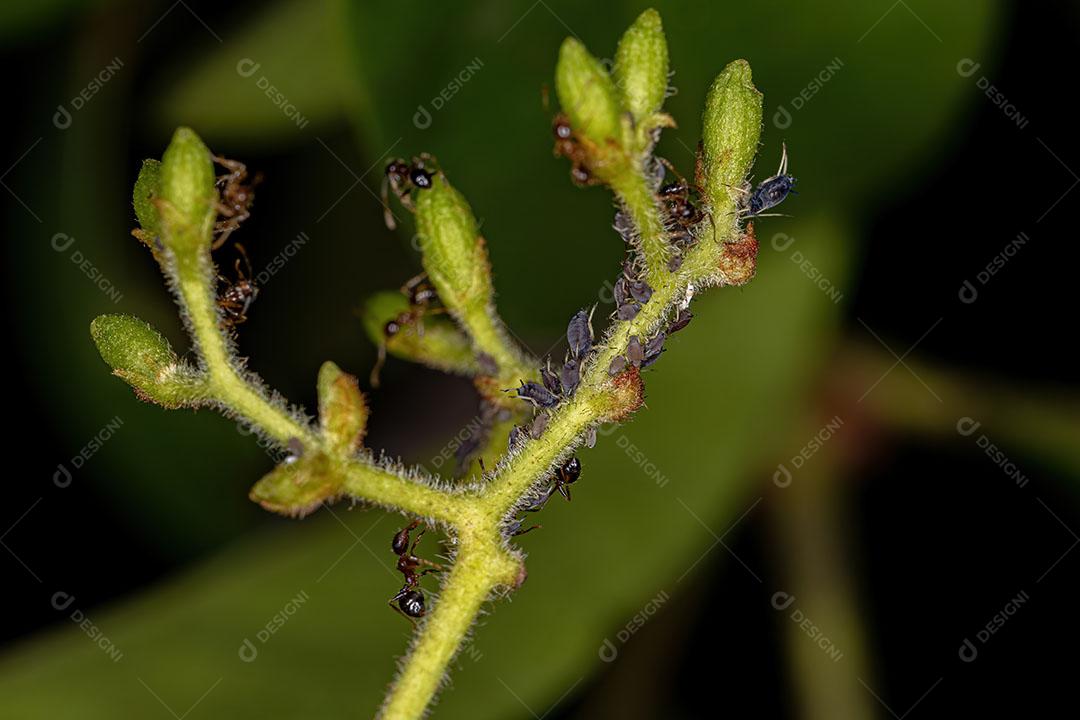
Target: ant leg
(391, 602)
(413, 282)
(673, 170)
(526, 530)
(243, 254)
(388, 215)
(379, 362)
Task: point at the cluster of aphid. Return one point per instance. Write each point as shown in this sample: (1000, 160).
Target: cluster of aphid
(235, 197)
(683, 212)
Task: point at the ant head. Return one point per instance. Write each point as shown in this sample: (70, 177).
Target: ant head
(412, 603)
(400, 543)
(420, 177)
(571, 470)
(561, 127)
(580, 175)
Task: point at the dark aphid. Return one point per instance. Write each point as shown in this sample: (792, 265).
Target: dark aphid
(629, 311)
(570, 376)
(236, 198)
(551, 379)
(621, 292)
(771, 191)
(401, 177)
(516, 436)
(653, 348)
(539, 424)
(624, 226)
(640, 290)
(635, 353)
(410, 598)
(579, 334)
(235, 300)
(654, 171)
(681, 320)
(537, 394)
(567, 475)
(487, 364)
(618, 364)
(536, 504)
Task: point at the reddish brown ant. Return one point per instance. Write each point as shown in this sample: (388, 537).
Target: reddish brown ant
(567, 145)
(401, 177)
(409, 600)
(237, 195)
(236, 299)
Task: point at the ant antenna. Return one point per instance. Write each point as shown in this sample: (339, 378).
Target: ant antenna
(783, 160)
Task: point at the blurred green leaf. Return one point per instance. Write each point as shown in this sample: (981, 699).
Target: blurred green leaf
(282, 72)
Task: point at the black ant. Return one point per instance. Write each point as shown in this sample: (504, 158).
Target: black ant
(410, 598)
(566, 475)
(236, 299)
(237, 195)
(422, 297)
(401, 177)
(679, 199)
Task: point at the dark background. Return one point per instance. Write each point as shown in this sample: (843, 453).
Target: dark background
(902, 539)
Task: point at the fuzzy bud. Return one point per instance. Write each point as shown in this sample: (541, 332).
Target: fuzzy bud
(731, 128)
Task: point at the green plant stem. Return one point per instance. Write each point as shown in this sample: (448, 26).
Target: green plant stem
(639, 201)
(479, 568)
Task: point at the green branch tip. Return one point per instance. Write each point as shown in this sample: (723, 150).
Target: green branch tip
(641, 67)
(453, 251)
(731, 128)
(143, 358)
(187, 204)
(298, 487)
(587, 94)
(343, 412)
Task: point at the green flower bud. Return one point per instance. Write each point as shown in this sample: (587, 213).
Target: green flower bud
(141, 356)
(454, 254)
(342, 410)
(587, 94)
(441, 344)
(731, 128)
(298, 488)
(188, 197)
(641, 66)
